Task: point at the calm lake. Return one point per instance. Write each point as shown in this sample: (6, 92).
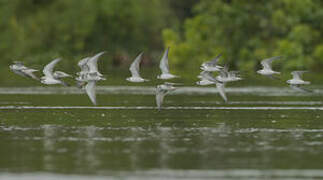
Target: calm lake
(262, 133)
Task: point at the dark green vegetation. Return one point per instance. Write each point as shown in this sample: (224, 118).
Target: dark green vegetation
(246, 32)
(36, 31)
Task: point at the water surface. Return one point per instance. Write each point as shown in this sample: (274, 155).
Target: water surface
(55, 133)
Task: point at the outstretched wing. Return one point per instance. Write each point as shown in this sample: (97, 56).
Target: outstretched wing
(266, 63)
(93, 62)
(159, 97)
(225, 71)
(215, 60)
(48, 69)
(220, 87)
(30, 73)
(134, 68)
(164, 63)
(90, 90)
(208, 76)
(83, 64)
(297, 74)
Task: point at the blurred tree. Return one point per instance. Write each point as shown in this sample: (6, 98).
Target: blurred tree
(245, 32)
(39, 30)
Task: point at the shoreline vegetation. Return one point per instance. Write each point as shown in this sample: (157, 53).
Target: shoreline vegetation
(38, 31)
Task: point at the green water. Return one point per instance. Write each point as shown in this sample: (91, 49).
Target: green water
(108, 142)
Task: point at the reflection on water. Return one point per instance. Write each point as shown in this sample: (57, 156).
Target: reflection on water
(193, 137)
(254, 90)
(241, 174)
(98, 150)
(169, 107)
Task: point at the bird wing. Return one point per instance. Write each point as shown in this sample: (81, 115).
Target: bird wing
(60, 74)
(297, 74)
(93, 62)
(48, 69)
(266, 63)
(30, 73)
(159, 97)
(134, 67)
(83, 64)
(214, 61)
(90, 90)
(220, 87)
(164, 63)
(225, 71)
(208, 76)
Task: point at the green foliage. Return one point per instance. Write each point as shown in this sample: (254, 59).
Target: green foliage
(246, 32)
(38, 30)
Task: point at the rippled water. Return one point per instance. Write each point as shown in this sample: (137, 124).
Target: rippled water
(257, 135)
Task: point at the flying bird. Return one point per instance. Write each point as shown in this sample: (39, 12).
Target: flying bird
(81, 79)
(267, 69)
(89, 75)
(161, 91)
(228, 76)
(165, 74)
(92, 64)
(203, 81)
(209, 78)
(19, 68)
(296, 82)
(134, 69)
(90, 91)
(49, 77)
(212, 65)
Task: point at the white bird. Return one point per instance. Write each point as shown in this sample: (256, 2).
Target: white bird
(212, 65)
(207, 75)
(92, 63)
(221, 88)
(161, 91)
(165, 74)
(90, 91)
(49, 77)
(19, 68)
(134, 69)
(296, 82)
(267, 69)
(89, 74)
(83, 66)
(60, 75)
(203, 81)
(228, 76)
(81, 79)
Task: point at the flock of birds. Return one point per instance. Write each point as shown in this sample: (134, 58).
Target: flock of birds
(90, 75)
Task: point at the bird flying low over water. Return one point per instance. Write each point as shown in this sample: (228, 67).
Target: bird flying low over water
(161, 91)
(207, 75)
(51, 77)
(228, 76)
(297, 81)
(92, 63)
(80, 80)
(19, 68)
(212, 65)
(267, 69)
(165, 74)
(134, 69)
(90, 91)
(203, 81)
(89, 75)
